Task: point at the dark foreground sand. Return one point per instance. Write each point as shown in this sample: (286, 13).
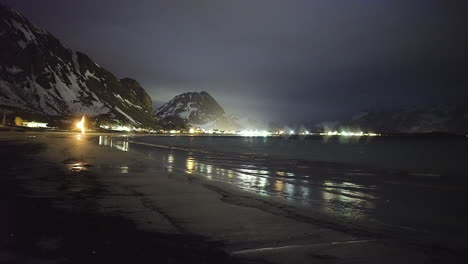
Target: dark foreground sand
(63, 199)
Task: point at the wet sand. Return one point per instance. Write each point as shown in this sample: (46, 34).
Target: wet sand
(65, 198)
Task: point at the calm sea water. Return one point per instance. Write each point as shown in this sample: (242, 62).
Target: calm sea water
(424, 155)
(398, 184)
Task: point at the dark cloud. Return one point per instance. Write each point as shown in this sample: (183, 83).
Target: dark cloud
(301, 60)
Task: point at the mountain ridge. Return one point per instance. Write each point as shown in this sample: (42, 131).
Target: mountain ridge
(40, 75)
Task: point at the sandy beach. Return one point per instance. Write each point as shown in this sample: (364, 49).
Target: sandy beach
(67, 198)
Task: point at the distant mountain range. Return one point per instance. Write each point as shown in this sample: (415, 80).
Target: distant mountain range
(435, 119)
(40, 75)
(441, 118)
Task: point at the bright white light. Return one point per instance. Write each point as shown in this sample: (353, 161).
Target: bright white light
(254, 133)
(34, 124)
(81, 125)
(291, 132)
(349, 134)
(191, 130)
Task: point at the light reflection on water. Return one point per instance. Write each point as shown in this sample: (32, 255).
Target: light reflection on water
(170, 162)
(349, 192)
(78, 167)
(124, 169)
(287, 184)
(345, 190)
(118, 143)
(190, 165)
(283, 182)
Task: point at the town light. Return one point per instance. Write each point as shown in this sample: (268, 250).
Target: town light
(254, 133)
(81, 125)
(349, 134)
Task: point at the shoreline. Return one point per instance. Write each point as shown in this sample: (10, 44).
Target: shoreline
(40, 227)
(435, 134)
(172, 205)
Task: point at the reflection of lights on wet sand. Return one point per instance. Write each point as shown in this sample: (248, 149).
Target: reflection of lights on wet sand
(170, 168)
(78, 167)
(190, 165)
(124, 169)
(255, 171)
(289, 189)
(279, 186)
(170, 161)
(230, 173)
(347, 192)
(283, 174)
(261, 182)
(170, 158)
(248, 181)
(305, 191)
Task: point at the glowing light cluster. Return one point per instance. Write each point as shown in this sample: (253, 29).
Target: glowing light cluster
(254, 133)
(118, 128)
(349, 134)
(34, 124)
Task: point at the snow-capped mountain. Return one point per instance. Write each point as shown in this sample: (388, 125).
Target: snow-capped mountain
(197, 109)
(39, 75)
(190, 108)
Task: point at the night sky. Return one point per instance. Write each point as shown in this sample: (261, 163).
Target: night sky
(279, 60)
